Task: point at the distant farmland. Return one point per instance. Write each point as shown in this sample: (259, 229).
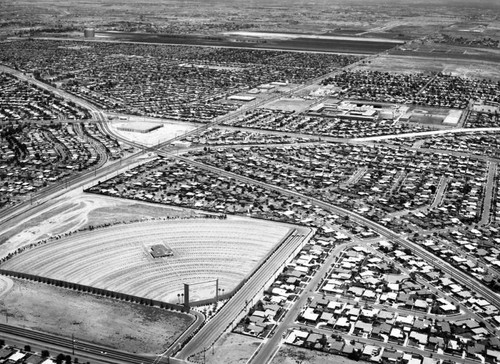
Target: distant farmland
(118, 258)
(354, 45)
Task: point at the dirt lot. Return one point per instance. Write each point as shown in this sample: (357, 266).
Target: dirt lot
(293, 355)
(237, 349)
(456, 67)
(230, 349)
(120, 325)
(112, 214)
(79, 211)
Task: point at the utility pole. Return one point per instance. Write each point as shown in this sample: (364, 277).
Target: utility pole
(217, 290)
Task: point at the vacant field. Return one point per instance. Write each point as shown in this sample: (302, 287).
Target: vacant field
(5, 285)
(113, 214)
(116, 324)
(230, 349)
(118, 257)
(412, 64)
(478, 58)
(79, 211)
(291, 355)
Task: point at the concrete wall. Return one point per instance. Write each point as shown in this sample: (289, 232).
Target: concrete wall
(96, 291)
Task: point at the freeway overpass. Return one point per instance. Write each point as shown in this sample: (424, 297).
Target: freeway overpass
(207, 335)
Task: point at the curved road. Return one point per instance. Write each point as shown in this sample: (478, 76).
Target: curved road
(209, 333)
(98, 146)
(462, 277)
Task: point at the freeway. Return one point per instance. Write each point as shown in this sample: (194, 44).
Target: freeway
(44, 86)
(99, 147)
(53, 191)
(239, 303)
(255, 284)
(15, 213)
(86, 349)
(323, 138)
(425, 133)
(461, 277)
(213, 329)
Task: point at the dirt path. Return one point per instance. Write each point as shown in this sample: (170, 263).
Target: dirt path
(230, 349)
(5, 285)
(291, 355)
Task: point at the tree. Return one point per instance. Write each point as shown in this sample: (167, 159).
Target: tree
(68, 359)
(45, 354)
(355, 355)
(323, 341)
(27, 348)
(60, 358)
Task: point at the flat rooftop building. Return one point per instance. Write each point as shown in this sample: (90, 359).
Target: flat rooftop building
(140, 127)
(161, 250)
(241, 98)
(453, 117)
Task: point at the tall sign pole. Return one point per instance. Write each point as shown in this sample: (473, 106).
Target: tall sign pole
(186, 296)
(217, 290)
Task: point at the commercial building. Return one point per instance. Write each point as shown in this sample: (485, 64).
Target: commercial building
(139, 127)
